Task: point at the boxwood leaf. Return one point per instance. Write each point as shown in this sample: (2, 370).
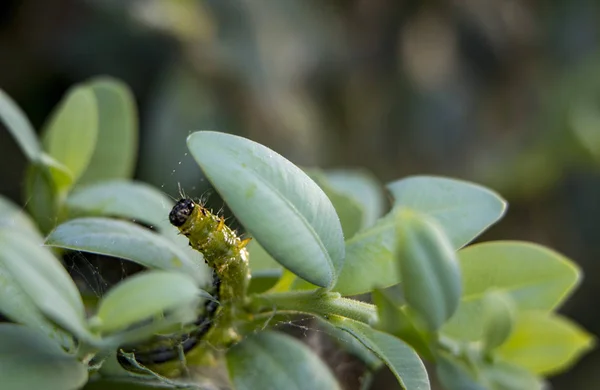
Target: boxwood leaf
(287, 212)
(144, 296)
(462, 209)
(115, 152)
(402, 360)
(271, 360)
(42, 277)
(498, 318)
(70, 134)
(533, 276)
(125, 240)
(426, 259)
(17, 124)
(121, 198)
(28, 360)
(545, 343)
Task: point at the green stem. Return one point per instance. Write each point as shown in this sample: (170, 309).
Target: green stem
(318, 302)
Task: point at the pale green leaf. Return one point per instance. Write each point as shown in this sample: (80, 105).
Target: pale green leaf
(431, 275)
(533, 276)
(115, 153)
(144, 296)
(545, 343)
(126, 240)
(42, 277)
(281, 207)
(17, 124)
(70, 135)
(462, 209)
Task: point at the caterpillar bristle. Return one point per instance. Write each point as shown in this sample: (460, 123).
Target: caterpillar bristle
(221, 224)
(244, 242)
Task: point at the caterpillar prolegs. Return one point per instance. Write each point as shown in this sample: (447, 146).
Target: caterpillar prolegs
(225, 253)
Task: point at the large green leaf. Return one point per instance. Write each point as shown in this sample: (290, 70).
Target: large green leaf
(270, 360)
(545, 343)
(431, 275)
(277, 203)
(127, 241)
(16, 122)
(42, 277)
(28, 360)
(70, 135)
(145, 296)
(463, 209)
(115, 153)
(402, 360)
(533, 276)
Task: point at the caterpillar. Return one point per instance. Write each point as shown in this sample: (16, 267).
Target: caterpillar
(226, 254)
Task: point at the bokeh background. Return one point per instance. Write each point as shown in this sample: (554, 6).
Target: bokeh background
(502, 92)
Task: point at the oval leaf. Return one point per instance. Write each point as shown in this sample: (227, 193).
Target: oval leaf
(144, 296)
(545, 343)
(276, 202)
(401, 359)
(431, 275)
(270, 360)
(18, 306)
(533, 276)
(125, 240)
(17, 124)
(42, 277)
(115, 152)
(462, 209)
(70, 135)
(120, 198)
(28, 360)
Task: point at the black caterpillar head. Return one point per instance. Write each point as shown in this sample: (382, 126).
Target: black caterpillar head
(181, 212)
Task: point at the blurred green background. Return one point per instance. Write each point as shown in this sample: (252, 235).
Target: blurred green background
(502, 92)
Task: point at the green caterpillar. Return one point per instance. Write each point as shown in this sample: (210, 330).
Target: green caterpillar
(226, 254)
